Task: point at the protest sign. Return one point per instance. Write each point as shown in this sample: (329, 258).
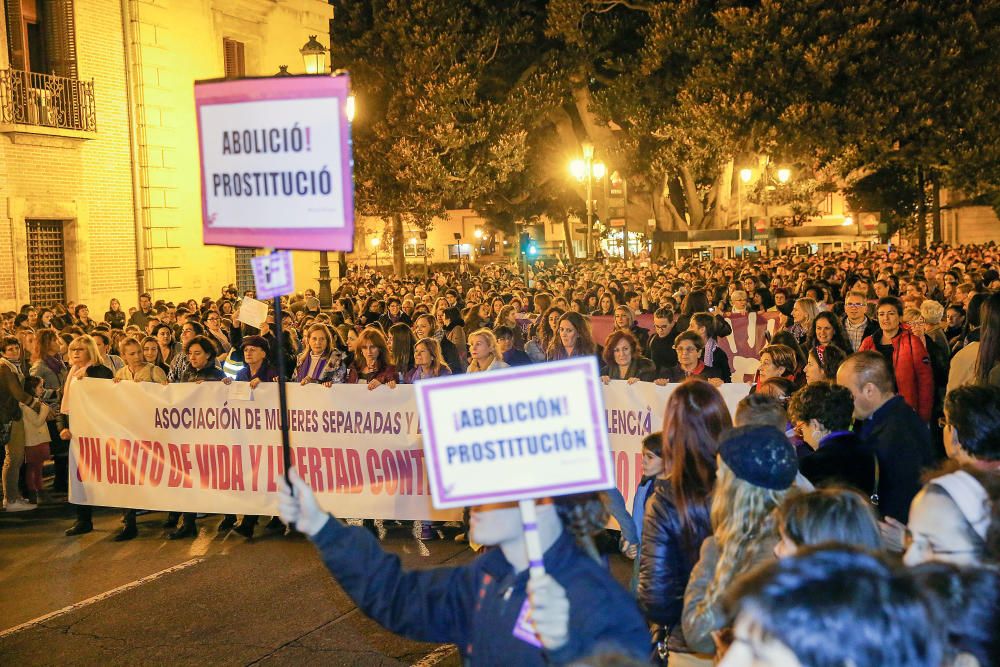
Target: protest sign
(253, 312)
(276, 162)
(272, 274)
(192, 447)
(515, 434)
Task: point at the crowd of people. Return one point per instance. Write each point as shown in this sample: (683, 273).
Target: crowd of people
(847, 513)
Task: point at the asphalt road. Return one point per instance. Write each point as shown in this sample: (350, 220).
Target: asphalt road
(214, 600)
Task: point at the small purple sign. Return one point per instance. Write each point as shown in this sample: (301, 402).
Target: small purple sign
(272, 274)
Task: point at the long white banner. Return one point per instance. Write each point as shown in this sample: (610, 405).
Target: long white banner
(204, 448)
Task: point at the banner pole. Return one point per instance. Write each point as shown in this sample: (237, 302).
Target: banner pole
(286, 446)
(532, 542)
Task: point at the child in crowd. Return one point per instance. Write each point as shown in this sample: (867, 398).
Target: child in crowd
(825, 517)
(36, 437)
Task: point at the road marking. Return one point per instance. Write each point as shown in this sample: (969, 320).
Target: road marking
(437, 655)
(99, 597)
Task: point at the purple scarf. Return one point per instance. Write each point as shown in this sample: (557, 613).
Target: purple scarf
(55, 364)
(317, 371)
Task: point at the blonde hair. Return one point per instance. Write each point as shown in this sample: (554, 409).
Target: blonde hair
(743, 518)
(88, 343)
(810, 307)
(491, 341)
(932, 311)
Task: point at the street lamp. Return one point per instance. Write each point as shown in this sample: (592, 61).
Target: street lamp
(314, 56)
(784, 174)
(375, 243)
(586, 170)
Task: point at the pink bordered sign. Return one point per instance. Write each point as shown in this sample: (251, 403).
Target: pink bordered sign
(515, 434)
(276, 168)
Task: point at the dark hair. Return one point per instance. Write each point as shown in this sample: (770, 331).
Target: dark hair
(891, 301)
(584, 345)
(503, 332)
(692, 337)
(974, 411)
(829, 404)
(654, 443)
(828, 515)
(832, 358)
(31, 382)
(204, 343)
(196, 326)
(839, 339)
(989, 338)
(835, 607)
(761, 410)
(968, 602)
(695, 302)
(787, 339)
(694, 419)
(156, 330)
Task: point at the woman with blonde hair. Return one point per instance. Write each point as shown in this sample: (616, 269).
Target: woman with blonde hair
(757, 466)
(322, 357)
(483, 353)
(804, 312)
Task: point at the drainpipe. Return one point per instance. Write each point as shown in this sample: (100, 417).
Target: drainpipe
(136, 145)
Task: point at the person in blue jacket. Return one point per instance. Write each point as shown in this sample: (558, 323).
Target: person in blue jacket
(489, 608)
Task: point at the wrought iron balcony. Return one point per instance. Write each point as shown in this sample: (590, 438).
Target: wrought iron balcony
(46, 100)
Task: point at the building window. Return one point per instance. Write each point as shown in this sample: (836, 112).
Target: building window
(455, 250)
(414, 249)
(46, 262)
(234, 58)
(244, 272)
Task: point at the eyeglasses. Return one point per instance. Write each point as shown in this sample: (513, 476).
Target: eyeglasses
(854, 305)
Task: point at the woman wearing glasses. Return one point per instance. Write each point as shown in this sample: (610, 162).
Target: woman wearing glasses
(689, 347)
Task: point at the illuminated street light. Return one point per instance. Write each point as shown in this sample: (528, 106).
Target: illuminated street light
(349, 108)
(599, 170)
(784, 174)
(314, 56)
(586, 171)
(848, 221)
(478, 233)
(578, 168)
(746, 175)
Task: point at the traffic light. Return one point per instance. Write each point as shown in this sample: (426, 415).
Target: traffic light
(532, 249)
(525, 243)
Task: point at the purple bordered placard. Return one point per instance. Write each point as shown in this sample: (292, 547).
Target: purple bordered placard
(283, 234)
(605, 478)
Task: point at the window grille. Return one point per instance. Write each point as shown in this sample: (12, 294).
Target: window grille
(244, 272)
(46, 253)
(233, 58)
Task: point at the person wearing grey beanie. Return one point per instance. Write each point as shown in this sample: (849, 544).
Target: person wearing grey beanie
(757, 470)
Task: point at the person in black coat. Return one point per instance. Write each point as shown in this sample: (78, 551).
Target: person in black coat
(85, 361)
(424, 326)
(891, 428)
(823, 412)
(660, 347)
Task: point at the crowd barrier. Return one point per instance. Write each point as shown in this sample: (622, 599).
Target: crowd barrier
(205, 448)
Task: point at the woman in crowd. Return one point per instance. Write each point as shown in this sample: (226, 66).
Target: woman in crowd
(624, 361)
(822, 363)
(81, 318)
(201, 356)
(573, 338)
(625, 321)
(84, 362)
(152, 354)
(115, 316)
(987, 366)
(756, 470)
(826, 329)
(827, 516)
(677, 518)
(803, 313)
(215, 332)
(544, 332)
(483, 355)
(453, 326)
(506, 318)
(321, 360)
(606, 305)
(906, 356)
(401, 347)
(169, 349)
(776, 361)
(689, 347)
(428, 362)
(710, 327)
(257, 367)
(371, 361)
(425, 326)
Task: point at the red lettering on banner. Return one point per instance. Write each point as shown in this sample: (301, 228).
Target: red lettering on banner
(175, 478)
(204, 465)
(123, 450)
(237, 469)
(405, 473)
(275, 468)
(156, 465)
(622, 472)
(374, 474)
(255, 452)
(423, 488)
(327, 454)
(391, 472)
(136, 446)
(224, 482)
(186, 463)
(341, 472)
(88, 467)
(110, 453)
(315, 469)
(354, 471)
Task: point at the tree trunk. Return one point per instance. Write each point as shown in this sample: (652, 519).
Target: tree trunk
(921, 210)
(721, 213)
(398, 260)
(568, 233)
(695, 209)
(936, 207)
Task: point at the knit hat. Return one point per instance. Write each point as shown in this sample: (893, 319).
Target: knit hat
(761, 455)
(256, 341)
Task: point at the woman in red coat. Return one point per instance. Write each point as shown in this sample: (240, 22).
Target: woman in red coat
(906, 355)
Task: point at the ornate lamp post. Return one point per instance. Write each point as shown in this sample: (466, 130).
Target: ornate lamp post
(586, 171)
